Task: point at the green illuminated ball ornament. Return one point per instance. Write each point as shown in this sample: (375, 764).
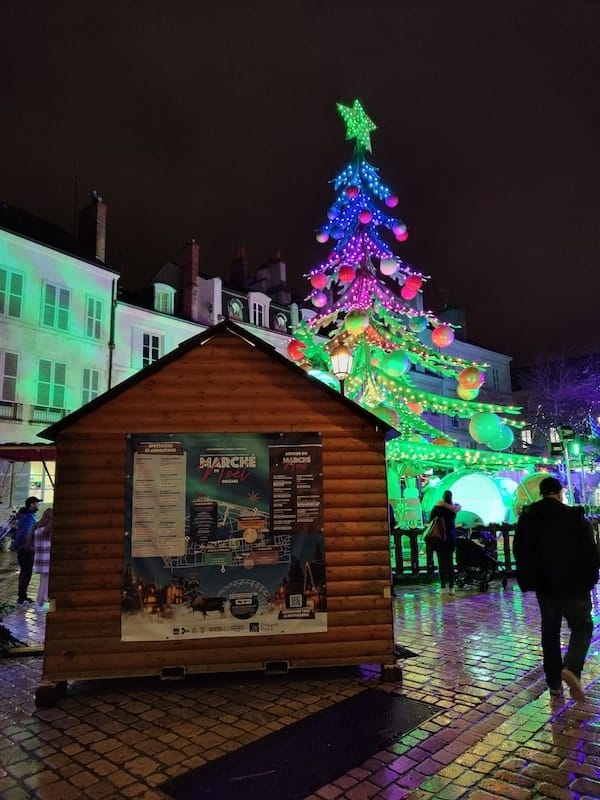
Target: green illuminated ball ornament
(466, 394)
(503, 440)
(396, 363)
(357, 322)
(484, 426)
(471, 378)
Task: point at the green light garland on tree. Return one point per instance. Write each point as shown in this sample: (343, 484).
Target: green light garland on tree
(368, 300)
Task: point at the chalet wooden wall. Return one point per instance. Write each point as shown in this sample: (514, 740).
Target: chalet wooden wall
(226, 384)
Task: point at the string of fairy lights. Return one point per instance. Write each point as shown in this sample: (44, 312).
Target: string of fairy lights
(368, 305)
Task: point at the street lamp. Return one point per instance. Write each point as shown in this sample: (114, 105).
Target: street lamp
(341, 363)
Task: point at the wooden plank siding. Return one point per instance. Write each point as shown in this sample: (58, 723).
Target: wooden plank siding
(223, 385)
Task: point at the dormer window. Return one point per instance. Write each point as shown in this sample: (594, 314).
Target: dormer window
(235, 310)
(280, 322)
(164, 298)
(258, 314)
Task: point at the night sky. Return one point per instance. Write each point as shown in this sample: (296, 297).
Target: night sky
(218, 121)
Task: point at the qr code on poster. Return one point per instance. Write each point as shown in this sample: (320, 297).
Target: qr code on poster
(295, 601)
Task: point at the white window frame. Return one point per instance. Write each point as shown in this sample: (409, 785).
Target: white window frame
(152, 348)
(93, 318)
(56, 310)
(51, 390)
(90, 385)
(164, 298)
(11, 293)
(258, 314)
(9, 374)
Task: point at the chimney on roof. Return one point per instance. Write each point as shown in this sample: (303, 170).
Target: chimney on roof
(92, 227)
(191, 271)
(238, 269)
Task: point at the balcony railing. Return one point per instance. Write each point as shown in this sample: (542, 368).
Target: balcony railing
(11, 411)
(46, 415)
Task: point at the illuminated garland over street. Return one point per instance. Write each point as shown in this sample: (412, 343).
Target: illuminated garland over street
(369, 313)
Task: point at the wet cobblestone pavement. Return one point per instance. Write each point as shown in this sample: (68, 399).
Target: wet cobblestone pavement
(496, 734)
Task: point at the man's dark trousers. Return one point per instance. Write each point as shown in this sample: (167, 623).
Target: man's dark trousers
(577, 610)
(25, 559)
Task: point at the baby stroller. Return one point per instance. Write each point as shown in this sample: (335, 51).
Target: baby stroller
(476, 559)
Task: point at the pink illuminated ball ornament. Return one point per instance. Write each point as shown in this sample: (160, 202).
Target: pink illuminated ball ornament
(413, 283)
(352, 192)
(318, 281)
(391, 201)
(319, 300)
(322, 237)
(388, 266)
(346, 274)
(442, 336)
(407, 294)
(401, 237)
(296, 349)
(365, 216)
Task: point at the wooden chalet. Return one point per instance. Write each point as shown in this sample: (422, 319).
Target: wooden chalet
(224, 380)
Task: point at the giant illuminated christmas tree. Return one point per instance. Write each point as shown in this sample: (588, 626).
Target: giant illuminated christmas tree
(370, 328)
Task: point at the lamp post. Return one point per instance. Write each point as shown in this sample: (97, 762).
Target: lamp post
(341, 363)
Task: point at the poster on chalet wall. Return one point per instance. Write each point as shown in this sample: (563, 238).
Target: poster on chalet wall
(224, 536)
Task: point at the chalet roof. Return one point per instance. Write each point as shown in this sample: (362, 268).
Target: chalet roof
(224, 328)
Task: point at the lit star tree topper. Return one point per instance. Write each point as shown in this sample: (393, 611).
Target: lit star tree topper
(358, 124)
(369, 301)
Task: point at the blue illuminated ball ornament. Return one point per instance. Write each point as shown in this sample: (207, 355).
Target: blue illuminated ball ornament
(333, 212)
(417, 324)
(337, 232)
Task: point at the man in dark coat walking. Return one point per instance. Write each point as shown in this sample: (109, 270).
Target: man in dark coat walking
(558, 559)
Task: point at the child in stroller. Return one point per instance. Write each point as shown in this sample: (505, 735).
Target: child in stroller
(476, 559)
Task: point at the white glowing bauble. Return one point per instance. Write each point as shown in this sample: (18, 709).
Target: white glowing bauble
(388, 266)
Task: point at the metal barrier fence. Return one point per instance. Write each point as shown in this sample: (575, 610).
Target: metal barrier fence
(411, 556)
